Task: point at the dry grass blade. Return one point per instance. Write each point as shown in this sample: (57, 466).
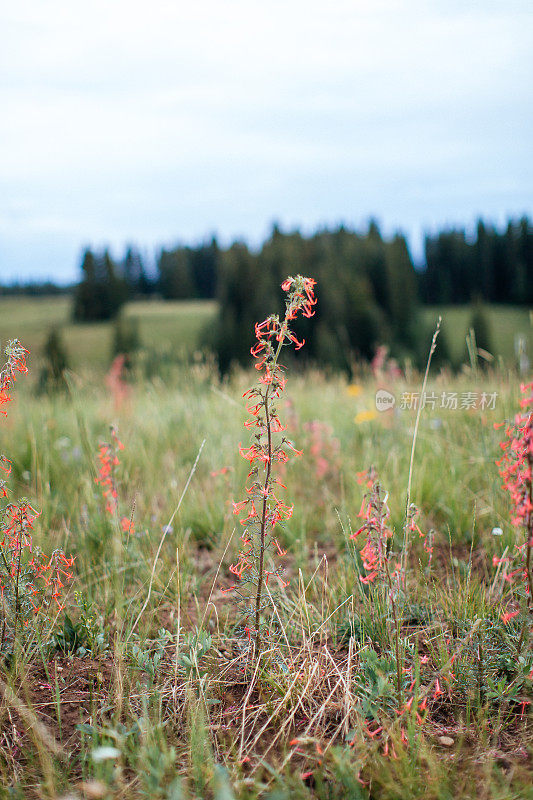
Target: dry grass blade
(32, 721)
(163, 537)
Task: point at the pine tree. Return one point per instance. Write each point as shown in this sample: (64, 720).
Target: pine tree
(133, 270)
(126, 339)
(101, 291)
(484, 264)
(175, 279)
(52, 377)
(87, 298)
(115, 289)
(401, 291)
(204, 268)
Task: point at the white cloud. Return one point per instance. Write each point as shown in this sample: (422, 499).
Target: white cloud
(160, 120)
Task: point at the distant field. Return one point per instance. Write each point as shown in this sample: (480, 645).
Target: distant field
(177, 325)
(174, 324)
(506, 323)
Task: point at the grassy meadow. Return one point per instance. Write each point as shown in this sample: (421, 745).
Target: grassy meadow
(176, 325)
(505, 324)
(137, 689)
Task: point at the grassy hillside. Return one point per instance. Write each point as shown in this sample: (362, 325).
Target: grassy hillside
(177, 325)
(506, 323)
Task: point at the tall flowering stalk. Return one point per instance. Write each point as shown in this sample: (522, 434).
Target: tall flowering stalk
(262, 508)
(15, 362)
(108, 461)
(30, 581)
(516, 470)
(377, 556)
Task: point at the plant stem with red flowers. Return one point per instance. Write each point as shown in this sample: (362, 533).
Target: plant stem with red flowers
(251, 569)
(15, 362)
(516, 470)
(266, 486)
(29, 580)
(382, 573)
(529, 533)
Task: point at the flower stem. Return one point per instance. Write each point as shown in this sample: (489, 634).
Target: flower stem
(529, 534)
(266, 488)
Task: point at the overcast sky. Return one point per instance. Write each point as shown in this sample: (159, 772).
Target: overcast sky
(156, 122)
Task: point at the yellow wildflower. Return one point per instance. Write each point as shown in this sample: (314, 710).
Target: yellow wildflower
(354, 390)
(365, 416)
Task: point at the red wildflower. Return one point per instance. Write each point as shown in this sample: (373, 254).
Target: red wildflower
(5, 465)
(108, 458)
(438, 691)
(292, 447)
(374, 553)
(508, 616)
(265, 510)
(15, 362)
(516, 470)
(222, 471)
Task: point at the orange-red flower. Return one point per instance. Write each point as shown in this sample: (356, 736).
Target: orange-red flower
(516, 470)
(264, 510)
(16, 362)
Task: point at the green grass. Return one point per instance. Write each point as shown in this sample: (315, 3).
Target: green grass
(506, 323)
(159, 679)
(53, 441)
(176, 325)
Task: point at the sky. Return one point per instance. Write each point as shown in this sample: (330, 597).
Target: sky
(161, 122)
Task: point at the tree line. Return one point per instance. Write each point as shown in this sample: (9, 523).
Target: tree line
(369, 289)
(490, 264)
(493, 265)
